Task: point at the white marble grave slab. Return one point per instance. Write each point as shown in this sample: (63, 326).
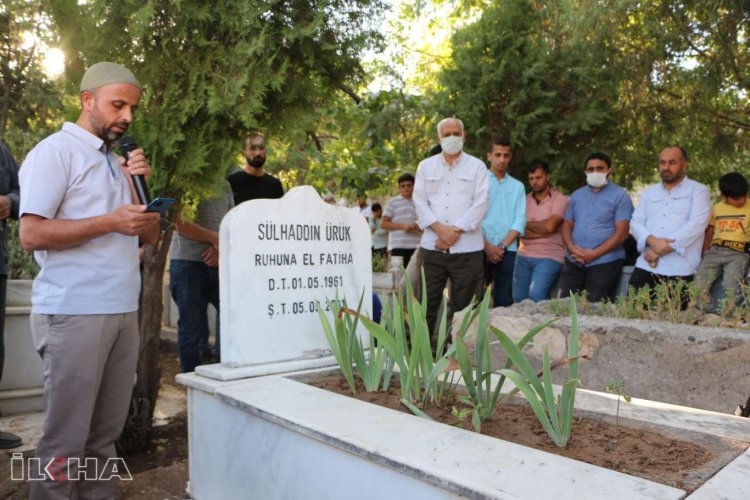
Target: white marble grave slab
(278, 257)
(453, 460)
(730, 482)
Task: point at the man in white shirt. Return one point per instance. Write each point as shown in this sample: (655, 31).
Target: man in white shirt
(669, 223)
(362, 207)
(450, 195)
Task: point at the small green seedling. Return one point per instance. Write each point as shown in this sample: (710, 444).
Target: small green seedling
(461, 415)
(618, 388)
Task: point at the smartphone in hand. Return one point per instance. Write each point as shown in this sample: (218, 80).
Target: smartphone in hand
(160, 205)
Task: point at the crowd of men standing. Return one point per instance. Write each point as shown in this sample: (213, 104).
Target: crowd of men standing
(479, 227)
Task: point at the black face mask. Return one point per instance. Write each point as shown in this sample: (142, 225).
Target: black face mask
(256, 162)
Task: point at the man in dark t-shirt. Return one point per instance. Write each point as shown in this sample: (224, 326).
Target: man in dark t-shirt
(252, 181)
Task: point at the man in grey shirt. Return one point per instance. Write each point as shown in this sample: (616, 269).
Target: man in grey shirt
(194, 279)
(78, 215)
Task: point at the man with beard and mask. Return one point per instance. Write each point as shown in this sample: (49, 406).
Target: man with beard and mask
(252, 182)
(669, 224)
(450, 196)
(503, 223)
(78, 216)
(541, 253)
(595, 226)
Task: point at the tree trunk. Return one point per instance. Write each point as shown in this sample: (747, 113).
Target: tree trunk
(136, 434)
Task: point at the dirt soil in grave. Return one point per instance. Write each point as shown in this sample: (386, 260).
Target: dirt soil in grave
(639, 452)
(159, 473)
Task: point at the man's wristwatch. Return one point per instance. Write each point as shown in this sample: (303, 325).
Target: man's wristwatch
(501, 245)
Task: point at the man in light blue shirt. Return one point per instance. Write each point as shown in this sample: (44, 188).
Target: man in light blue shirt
(503, 224)
(669, 224)
(595, 226)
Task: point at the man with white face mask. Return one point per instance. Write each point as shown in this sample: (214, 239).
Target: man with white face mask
(595, 226)
(450, 195)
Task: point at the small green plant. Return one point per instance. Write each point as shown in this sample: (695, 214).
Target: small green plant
(635, 305)
(618, 388)
(684, 302)
(379, 263)
(349, 351)
(554, 413)
(477, 371)
(561, 307)
(404, 334)
(461, 416)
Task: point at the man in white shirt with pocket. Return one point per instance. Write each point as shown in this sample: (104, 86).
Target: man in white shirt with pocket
(669, 224)
(450, 195)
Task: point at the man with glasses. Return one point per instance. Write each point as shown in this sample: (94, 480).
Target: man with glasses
(252, 182)
(595, 226)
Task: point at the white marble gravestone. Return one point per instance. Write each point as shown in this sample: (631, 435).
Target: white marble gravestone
(278, 259)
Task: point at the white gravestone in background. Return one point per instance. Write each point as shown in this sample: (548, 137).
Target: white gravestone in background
(277, 258)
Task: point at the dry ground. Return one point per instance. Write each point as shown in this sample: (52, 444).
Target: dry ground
(161, 472)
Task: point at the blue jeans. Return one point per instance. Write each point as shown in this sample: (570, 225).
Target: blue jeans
(193, 286)
(501, 274)
(533, 278)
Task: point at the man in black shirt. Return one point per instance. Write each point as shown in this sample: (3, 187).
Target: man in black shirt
(252, 181)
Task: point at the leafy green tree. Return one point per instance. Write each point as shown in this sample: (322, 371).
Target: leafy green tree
(365, 144)
(211, 71)
(563, 78)
(530, 73)
(700, 82)
(30, 101)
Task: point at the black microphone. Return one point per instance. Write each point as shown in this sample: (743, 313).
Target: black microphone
(127, 145)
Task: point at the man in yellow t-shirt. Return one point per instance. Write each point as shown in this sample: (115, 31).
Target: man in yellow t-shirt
(727, 240)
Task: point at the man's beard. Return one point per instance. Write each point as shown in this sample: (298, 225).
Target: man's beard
(256, 162)
(108, 135)
(665, 177)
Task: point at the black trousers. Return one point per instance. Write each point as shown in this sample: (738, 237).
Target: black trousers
(641, 278)
(406, 253)
(600, 281)
(465, 270)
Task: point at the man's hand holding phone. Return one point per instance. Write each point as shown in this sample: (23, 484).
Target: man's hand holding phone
(160, 205)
